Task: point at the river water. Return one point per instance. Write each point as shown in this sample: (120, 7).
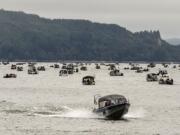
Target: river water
(47, 104)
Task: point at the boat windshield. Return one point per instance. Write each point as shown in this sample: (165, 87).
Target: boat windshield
(110, 102)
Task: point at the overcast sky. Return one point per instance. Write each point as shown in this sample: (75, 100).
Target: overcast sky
(135, 15)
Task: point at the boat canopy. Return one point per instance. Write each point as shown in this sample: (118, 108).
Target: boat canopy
(151, 74)
(115, 71)
(64, 71)
(88, 77)
(111, 97)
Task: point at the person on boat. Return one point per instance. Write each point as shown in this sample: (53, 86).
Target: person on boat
(107, 103)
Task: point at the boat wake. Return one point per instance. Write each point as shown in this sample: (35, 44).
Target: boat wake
(62, 111)
(68, 112)
(83, 113)
(135, 114)
(47, 111)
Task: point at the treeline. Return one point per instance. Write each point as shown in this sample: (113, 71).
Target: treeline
(30, 37)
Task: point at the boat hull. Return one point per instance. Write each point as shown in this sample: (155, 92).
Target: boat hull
(113, 112)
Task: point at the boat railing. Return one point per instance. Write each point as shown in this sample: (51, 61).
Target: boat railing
(96, 98)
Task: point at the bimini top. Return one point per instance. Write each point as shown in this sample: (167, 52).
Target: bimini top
(152, 74)
(112, 97)
(91, 77)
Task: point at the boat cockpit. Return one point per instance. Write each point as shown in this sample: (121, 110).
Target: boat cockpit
(109, 100)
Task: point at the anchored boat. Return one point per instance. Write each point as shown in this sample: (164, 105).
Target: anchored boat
(116, 73)
(152, 77)
(88, 80)
(166, 80)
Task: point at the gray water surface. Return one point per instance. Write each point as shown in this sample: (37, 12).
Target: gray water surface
(46, 104)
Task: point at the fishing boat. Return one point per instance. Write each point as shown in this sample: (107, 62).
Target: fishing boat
(54, 66)
(146, 69)
(13, 67)
(126, 68)
(116, 72)
(41, 68)
(162, 72)
(70, 69)
(152, 77)
(63, 72)
(32, 70)
(83, 68)
(19, 68)
(151, 65)
(139, 71)
(166, 80)
(88, 80)
(10, 76)
(111, 106)
(112, 67)
(98, 66)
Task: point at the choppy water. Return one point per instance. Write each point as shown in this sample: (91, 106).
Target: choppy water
(47, 104)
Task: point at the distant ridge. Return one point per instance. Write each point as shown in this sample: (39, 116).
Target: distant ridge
(30, 37)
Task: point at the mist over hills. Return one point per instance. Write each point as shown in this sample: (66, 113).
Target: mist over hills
(30, 37)
(173, 41)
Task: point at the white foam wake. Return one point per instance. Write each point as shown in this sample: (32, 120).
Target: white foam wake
(79, 113)
(68, 112)
(72, 113)
(138, 113)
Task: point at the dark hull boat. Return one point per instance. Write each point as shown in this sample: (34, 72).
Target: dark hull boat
(112, 107)
(113, 112)
(88, 80)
